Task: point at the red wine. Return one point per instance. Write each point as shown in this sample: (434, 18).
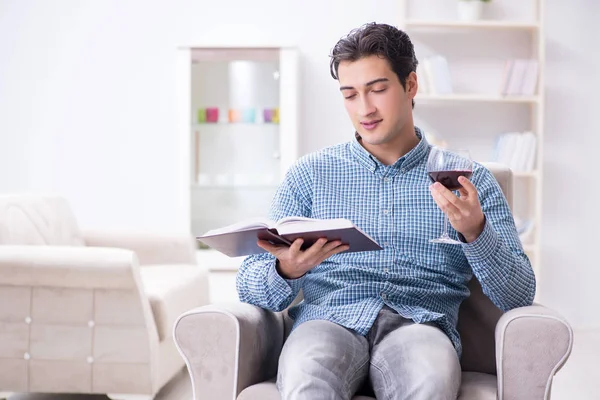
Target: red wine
(449, 178)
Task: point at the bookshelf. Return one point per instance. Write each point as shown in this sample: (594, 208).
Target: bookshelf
(477, 110)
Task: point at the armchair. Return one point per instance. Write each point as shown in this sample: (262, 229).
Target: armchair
(89, 312)
(232, 350)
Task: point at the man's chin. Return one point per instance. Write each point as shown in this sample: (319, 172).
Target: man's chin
(373, 138)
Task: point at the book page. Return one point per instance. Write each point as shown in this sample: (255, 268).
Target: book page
(302, 224)
(245, 225)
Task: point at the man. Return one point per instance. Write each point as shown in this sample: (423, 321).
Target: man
(386, 317)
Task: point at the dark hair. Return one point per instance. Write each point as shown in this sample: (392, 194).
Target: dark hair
(376, 39)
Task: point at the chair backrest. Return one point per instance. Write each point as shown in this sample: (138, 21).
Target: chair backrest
(478, 316)
(37, 220)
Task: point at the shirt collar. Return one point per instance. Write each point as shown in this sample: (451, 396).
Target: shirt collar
(406, 162)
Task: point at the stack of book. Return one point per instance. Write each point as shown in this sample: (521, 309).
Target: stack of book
(516, 150)
(433, 74)
(520, 77)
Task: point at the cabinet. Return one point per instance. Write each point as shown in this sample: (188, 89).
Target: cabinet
(478, 110)
(243, 136)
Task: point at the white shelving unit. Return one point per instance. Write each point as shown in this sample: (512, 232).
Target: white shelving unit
(509, 25)
(239, 157)
(236, 161)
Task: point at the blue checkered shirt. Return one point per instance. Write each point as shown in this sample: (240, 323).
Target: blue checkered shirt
(422, 281)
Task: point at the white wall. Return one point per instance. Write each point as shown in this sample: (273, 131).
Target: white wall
(570, 239)
(87, 92)
(87, 109)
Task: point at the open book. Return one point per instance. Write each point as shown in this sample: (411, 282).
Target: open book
(240, 239)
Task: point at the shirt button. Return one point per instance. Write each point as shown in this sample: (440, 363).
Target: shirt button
(386, 244)
(384, 296)
(386, 212)
(386, 270)
(386, 179)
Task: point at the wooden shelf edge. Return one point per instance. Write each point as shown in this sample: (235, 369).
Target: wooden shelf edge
(476, 98)
(484, 24)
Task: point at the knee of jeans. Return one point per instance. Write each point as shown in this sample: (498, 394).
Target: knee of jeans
(440, 379)
(302, 367)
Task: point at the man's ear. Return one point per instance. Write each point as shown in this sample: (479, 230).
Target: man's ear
(412, 85)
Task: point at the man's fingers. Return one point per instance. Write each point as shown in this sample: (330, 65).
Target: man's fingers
(335, 250)
(447, 194)
(338, 249)
(316, 248)
(468, 186)
(442, 202)
(331, 245)
(296, 246)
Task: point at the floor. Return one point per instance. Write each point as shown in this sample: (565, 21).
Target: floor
(579, 379)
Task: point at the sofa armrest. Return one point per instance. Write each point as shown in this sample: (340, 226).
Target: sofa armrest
(229, 347)
(68, 267)
(150, 248)
(532, 344)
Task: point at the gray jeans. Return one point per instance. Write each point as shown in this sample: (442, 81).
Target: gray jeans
(402, 360)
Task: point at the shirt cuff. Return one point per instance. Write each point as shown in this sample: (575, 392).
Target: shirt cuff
(281, 284)
(483, 247)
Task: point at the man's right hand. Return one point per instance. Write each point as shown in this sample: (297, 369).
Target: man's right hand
(293, 262)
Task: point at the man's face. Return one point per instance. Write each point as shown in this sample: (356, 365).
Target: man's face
(375, 100)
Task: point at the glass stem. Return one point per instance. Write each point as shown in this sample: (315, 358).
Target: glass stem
(445, 234)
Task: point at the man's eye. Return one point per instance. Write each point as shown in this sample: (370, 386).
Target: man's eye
(379, 91)
(350, 97)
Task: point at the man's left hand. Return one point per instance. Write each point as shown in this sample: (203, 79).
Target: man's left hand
(464, 212)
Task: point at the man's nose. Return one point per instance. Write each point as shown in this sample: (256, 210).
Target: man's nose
(366, 107)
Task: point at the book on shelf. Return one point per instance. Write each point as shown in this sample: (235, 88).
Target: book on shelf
(516, 150)
(240, 239)
(520, 77)
(433, 75)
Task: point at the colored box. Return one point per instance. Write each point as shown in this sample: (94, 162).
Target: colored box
(268, 115)
(201, 115)
(212, 114)
(249, 115)
(235, 115)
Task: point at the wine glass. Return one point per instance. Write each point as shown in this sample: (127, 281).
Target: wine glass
(445, 166)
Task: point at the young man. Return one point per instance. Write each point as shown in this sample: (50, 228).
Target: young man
(388, 316)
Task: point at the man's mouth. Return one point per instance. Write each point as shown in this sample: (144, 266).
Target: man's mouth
(370, 125)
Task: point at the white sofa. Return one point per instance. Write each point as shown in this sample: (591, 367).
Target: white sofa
(89, 312)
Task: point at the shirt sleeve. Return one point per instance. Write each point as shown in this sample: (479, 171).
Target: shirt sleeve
(496, 256)
(258, 281)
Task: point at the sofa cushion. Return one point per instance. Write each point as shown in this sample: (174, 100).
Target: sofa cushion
(172, 290)
(474, 386)
(37, 220)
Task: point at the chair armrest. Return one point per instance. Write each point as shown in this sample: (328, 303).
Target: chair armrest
(150, 248)
(68, 267)
(532, 344)
(229, 347)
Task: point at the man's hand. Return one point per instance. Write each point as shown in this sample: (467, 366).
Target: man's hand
(464, 212)
(294, 262)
